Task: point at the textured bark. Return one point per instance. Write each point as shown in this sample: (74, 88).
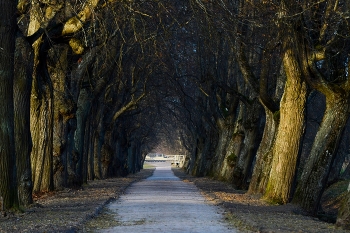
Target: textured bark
(87, 149)
(106, 154)
(23, 142)
(203, 155)
(58, 56)
(286, 147)
(343, 219)
(7, 147)
(263, 161)
(80, 136)
(132, 158)
(98, 142)
(264, 154)
(41, 117)
(91, 138)
(346, 174)
(42, 134)
(324, 149)
(225, 149)
(242, 170)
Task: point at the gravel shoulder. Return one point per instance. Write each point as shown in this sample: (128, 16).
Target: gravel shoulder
(69, 210)
(251, 214)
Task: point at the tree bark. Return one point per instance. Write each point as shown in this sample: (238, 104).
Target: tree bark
(106, 154)
(264, 154)
(80, 137)
(323, 152)
(242, 170)
(59, 66)
(286, 147)
(98, 142)
(8, 177)
(343, 219)
(41, 116)
(22, 90)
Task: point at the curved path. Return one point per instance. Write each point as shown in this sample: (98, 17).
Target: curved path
(164, 203)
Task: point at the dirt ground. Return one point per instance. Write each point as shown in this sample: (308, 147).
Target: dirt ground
(251, 214)
(70, 210)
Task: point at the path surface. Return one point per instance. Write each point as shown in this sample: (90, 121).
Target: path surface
(164, 203)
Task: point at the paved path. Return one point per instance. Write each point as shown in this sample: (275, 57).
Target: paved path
(164, 203)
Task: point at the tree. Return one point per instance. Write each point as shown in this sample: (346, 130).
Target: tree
(23, 143)
(327, 60)
(292, 109)
(8, 178)
(343, 219)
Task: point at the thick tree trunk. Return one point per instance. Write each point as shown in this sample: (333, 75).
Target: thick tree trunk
(207, 153)
(226, 150)
(343, 219)
(8, 177)
(106, 154)
(263, 160)
(116, 162)
(242, 170)
(316, 170)
(346, 174)
(42, 134)
(98, 141)
(286, 147)
(23, 142)
(72, 154)
(80, 136)
(59, 66)
(131, 157)
(91, 139)
(86, 152)
(59, 155)
(41, 117)
(204, 154)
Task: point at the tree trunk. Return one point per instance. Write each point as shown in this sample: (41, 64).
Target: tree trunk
(99, 135)
(242, 170)
(316, 170)
(42, 134)
(86, 153)
(131, 158)
(59, 153)
(8, 178)
(263, 160)
(41, 117)
(226, 150)
(58, 70)
(23, 142)
(106, 154)
(91, 139)
(346, 173)
(343, 219)
(80, 136)
(286, 147)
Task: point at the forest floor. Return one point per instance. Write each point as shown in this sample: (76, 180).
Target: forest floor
(70, 210)
(251, 214)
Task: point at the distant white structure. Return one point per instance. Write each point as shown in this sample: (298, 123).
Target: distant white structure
(176, 160)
